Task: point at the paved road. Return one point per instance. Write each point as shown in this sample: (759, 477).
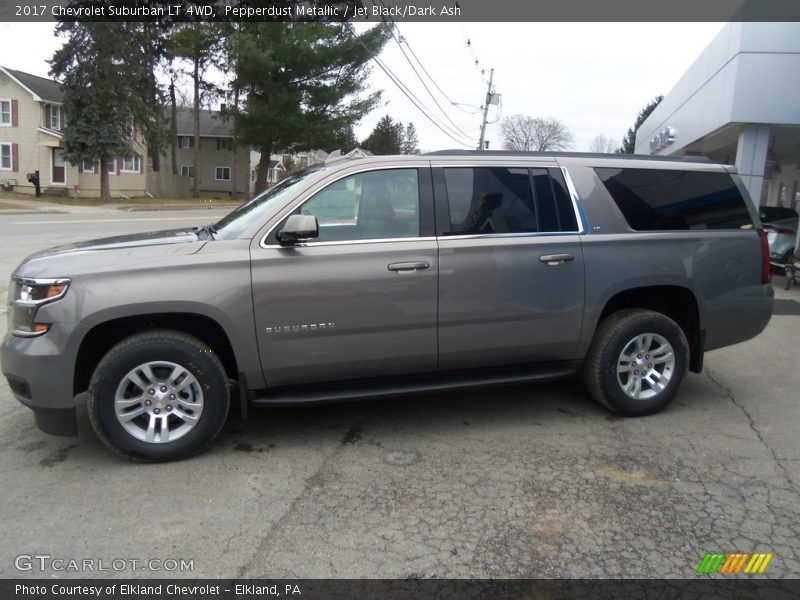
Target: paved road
(23, 234)
(525, 481)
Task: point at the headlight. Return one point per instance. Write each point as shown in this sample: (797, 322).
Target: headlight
(25, 297)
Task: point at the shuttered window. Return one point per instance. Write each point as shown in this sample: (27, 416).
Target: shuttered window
(5, 113)
(5, 157)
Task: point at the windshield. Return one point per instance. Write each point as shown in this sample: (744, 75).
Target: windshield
(253, 211)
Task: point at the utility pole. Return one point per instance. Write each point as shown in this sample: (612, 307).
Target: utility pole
(486, 109)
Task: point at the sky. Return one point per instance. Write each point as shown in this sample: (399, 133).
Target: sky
(594, 77)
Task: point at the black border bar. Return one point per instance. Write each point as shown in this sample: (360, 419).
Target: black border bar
(405, 10)
(700, 588)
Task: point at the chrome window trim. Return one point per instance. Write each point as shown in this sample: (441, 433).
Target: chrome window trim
(353, 242)
(573, 194)
(494, 236)
(472, 164)
(509, 165)
(294, 204)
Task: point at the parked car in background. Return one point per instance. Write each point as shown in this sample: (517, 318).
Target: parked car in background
(780, 223)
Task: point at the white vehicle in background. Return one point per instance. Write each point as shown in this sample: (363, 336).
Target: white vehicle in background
(780, 223)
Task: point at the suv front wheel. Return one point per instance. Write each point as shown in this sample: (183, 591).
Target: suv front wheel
(161, 395)
(636, 362)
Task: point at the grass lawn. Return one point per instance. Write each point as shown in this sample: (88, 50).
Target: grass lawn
(7, 201)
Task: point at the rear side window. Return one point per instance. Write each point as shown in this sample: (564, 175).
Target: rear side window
(498, 200)
(656, 199)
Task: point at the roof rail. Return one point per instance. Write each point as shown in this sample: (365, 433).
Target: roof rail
(458, 152)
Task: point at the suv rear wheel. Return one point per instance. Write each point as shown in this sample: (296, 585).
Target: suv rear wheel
(636, 362)
(160, 395)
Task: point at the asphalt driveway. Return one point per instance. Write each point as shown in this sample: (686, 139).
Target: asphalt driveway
(523, 481)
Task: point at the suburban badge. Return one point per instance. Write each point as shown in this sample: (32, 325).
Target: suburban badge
(301, 328)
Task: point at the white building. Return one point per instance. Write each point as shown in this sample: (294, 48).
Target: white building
(739, 103)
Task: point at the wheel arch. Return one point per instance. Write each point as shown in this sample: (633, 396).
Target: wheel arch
(105, 335)
(677, 302)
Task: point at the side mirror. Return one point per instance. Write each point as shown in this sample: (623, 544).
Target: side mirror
(297, 228)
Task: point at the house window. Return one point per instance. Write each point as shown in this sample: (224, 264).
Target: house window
(252, 175)
(131, 163)
(224, 144)
(223, 174)
(186, 142)
(55, 117)
(5, 112)
(187, 171)
(5, 157)
(111, 165)
(87, 166)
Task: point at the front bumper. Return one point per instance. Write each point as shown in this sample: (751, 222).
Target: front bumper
(40, 377)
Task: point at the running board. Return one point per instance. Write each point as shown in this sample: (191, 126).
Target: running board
(389, 387)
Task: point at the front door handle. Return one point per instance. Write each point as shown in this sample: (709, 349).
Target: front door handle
(556, 259)
(409, 266)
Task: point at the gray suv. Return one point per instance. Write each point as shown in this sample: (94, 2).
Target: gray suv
(388, 276)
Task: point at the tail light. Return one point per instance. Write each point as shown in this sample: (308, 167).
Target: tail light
(765, 275)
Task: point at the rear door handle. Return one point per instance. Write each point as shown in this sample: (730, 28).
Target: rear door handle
(555, 259)
(409, 266)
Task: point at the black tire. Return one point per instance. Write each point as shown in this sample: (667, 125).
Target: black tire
(163, 352)
(619, 333)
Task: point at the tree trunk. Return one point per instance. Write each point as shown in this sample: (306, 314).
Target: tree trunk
(234, 168)
(263, 167)
(196, 153)
(153, 140)
(105, 191)
(156, 156)
(173, 126)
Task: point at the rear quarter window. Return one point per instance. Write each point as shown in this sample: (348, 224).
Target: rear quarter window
(657, 200)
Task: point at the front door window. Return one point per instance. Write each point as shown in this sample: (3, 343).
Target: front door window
(368, 206)
(59, 167)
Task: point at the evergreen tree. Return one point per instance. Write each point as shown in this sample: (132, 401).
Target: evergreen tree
(386, 138)
(345, 140)
(202, 45)
(155, 40)
(107, 85)
(410, 140)
(629, 141)
(302, 84)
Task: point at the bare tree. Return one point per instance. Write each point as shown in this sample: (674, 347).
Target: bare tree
(535, 134)
(603, 145)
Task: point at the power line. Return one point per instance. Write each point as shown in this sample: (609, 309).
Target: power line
(422, 66)
(471, 52)
(402, 39)
(458, 105)
(406, 92)
(456, 129)
(419, 104)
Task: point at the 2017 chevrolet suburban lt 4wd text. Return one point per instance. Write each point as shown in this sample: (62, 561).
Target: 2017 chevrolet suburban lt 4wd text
(393, 275)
